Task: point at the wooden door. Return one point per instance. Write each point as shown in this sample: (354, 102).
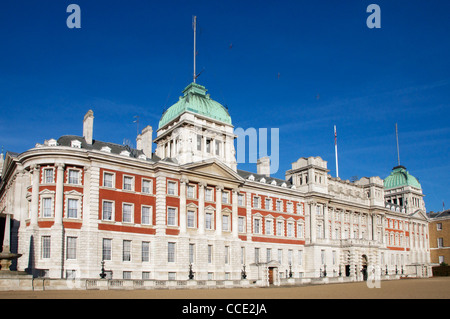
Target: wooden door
(270, 276)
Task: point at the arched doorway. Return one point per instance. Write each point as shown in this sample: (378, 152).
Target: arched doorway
(364, 267)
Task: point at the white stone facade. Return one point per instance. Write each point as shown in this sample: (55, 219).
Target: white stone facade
(152, 216)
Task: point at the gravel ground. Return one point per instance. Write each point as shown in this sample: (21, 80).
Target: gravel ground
(431, 288)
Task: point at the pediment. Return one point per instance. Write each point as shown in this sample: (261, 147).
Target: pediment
(212, 168)
(419, 214)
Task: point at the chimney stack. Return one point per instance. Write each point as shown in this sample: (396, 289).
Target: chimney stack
(144, 141)
(263, 166)
(88, 127)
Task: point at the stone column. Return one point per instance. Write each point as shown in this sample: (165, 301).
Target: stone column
(313, 223)
(350, 219)
(35, 170)
(333, 225)
(160, 209)
(201, 207)
(218, 218)
(59, 196)
(326, 234)
(234, 217)
(183, 224)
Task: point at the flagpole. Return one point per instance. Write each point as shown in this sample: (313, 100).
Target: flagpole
(398, 149)
(335, 151)
(195, 30)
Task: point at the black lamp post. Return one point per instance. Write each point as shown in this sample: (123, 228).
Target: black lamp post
(243, 273)
(290, 271)
(324, 270)
(191, 273)
(103, 274)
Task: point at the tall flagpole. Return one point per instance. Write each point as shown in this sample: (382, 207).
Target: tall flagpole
(398, 149)
(194, 24)
(335, 151)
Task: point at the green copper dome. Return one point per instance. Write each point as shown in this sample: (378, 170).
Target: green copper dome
(400, 177)
(196, 100)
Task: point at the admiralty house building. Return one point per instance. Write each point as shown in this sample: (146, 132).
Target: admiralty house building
(73, 205)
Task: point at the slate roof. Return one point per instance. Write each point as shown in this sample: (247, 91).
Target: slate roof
(66, 140)
(443, 214)
(258, 177)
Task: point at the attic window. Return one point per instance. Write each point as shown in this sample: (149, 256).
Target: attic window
(283, 185)
(106, 149)
(251, 177)
(125, 153)
(75, 143)
(142, 157)
(52, 142)
(274, 182)
(262, 180)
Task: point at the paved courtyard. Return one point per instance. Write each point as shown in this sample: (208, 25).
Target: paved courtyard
(431, 288)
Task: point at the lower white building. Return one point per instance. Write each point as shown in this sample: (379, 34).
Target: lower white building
(75, 202)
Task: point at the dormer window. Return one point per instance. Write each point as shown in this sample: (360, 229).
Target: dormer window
(52, 142)
(106, 149)
(75, 143)
(125, 153)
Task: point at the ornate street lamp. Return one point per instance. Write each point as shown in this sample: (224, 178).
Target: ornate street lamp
(191, 273)
(243, 273)
(103, 273)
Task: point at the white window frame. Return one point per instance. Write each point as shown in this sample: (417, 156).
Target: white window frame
(131, 185)
(150, 186)
(46, 244)
(211, 222)
(107, 249)
(290, 207)
(171, 252)
(241, 200)
(71, 248)
(70, 179)
(258, 202)
(175, 217)
(268, 203)
(77, 208)
(174, 191)
(112, 210)
(225, 197)
(150, 214)
(191, 191)
(226, 217)
(209, 191)
(44, 175)
(126, 250)
(44, 209)
(145, 251)
(290, 229)
(280, 231)
(279, 205)
(241, 224)
(257, 227)
(268, 230)
(131, 220)
(113, 179)
(191, 218)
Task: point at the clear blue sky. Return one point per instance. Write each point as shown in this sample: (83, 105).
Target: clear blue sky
(300, 66)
